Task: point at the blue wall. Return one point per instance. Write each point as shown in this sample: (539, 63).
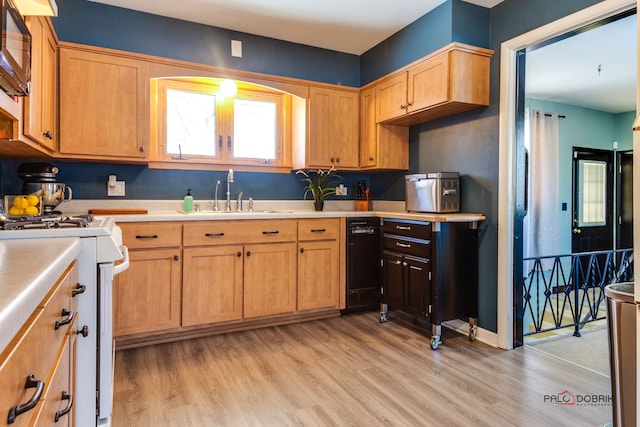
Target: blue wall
(582, 127)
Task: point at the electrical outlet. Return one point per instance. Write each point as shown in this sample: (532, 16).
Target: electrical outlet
(116, 190)
(341, 190)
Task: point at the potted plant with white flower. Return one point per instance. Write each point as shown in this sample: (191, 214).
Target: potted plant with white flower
(320, 184)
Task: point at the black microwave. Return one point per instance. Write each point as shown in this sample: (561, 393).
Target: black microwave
(15, 51)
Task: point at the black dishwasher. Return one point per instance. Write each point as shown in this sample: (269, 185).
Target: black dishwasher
(363, 264)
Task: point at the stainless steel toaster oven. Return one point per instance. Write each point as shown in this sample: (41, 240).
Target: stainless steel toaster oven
(437, 192)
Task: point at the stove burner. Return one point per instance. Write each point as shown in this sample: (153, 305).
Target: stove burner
(46, 222)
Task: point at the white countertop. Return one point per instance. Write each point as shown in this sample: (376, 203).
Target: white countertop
(29, 268)
(170, 210)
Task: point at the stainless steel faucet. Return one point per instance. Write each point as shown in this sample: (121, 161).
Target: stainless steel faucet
(216, 205)
(229, 181)
(239, 202)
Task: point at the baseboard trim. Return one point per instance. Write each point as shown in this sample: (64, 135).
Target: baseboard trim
(483, 335)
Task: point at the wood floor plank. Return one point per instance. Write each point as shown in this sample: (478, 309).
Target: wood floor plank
(348, 371)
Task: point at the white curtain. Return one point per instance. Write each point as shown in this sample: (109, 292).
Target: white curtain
(541, 224)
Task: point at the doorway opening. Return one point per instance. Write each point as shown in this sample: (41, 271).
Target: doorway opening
(568, 150)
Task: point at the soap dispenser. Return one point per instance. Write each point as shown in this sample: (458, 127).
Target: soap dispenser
(187, 204)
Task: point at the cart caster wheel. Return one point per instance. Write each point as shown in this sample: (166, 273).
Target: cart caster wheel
(383, 317)
(434, 343)
(473, 333)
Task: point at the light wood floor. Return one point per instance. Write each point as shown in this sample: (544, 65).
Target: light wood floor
(347, 371)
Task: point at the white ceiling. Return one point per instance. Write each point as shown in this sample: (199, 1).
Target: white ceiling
(567, 71)
(564, 71)
(351, 26)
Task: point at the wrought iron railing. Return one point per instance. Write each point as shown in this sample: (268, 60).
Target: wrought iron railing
(568, 290)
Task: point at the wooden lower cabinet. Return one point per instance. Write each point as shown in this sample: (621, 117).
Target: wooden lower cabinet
(269, 279)
(212, 284)
(43, 349)
(224, 275)
(146, 297)
(318, 275)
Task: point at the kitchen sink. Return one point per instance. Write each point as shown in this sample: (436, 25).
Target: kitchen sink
(233, 212)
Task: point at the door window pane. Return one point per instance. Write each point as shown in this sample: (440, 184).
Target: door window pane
(592, 193)
(191, 123)
(254, 129)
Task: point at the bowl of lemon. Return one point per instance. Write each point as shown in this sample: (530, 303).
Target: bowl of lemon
(23, 205)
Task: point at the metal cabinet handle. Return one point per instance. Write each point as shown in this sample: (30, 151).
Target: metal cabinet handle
(337, 159)
(400, 227)
(149, 236)
(333, 160)
(413, 267)
(70, 315)
(301, 250)
(271, 232)
(27, 406)
(48, 134)
(141, 149)
(229, 141)
(220, 141)
(318, 230)
(248, 253)
(239, 254)
(214, 234)
(84, 331)
(409, 104)
(78, 290)
(65, 411)
(371, 159)
(402, 106)
(403, 245)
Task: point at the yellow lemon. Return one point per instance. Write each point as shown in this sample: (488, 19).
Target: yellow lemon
(15, 211)
(33, 200)
(31, 210)
(20, 202)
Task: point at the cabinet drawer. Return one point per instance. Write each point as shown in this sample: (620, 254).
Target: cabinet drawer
(137, 235)
(239, 232)
(33, 351)
(419, 248)
(414, 229)
(318, 229)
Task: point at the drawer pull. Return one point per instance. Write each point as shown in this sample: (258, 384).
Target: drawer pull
(403, 245)
(318, 230)
(78, 290)
(413, 267)
(214, 234)
(24, 407)
(150, 236)
(271, 232)
(70, 315)
(65, 411)
(400, 227)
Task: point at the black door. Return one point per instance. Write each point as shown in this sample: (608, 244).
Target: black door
(624, 190)
(592, 228)
(393, 280)
(418, 287)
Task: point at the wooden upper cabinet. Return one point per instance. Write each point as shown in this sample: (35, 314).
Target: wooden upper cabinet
(451, 81)
(332, 126)
(104, 105)
(40, 109)
(382, 147)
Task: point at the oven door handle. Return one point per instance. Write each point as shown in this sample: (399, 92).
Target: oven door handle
(122, 266)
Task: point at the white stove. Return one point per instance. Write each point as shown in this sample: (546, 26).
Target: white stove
(102, 247)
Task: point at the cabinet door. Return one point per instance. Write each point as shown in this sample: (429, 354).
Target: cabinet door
(146, 297)
(418, 287)
(391, 97)
(393, 280)
(104, 110)
(40, 106)
(269, 279)
(429, 83)
(368, 140)
(333, 128)
(381, 146)
(212, 285)
(345, 128)
(318, 275)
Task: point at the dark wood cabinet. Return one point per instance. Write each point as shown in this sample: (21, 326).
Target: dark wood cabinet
(430, 271)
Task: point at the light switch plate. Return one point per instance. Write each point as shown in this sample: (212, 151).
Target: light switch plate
(341, 190)
(117, 190)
